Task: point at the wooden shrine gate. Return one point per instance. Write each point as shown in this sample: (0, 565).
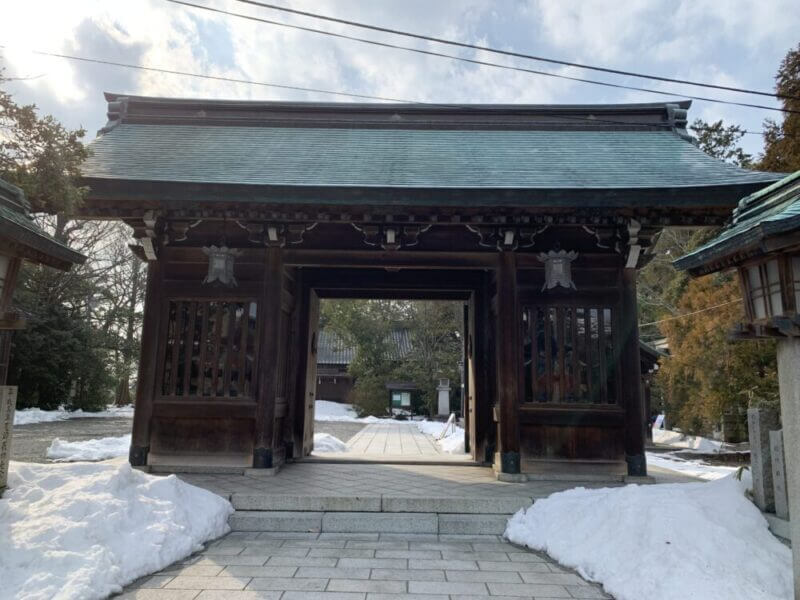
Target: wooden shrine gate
(536, 217)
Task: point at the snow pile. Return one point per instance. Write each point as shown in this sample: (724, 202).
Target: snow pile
(324, 442)
(449, 436)
(325, 410)
(30, 416)
(676, 439)
(691, 468)
(83, 531)
(661, 542)
(96, 449)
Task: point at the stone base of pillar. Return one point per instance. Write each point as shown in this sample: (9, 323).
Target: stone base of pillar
(637, 465)
(262, 458)
(509, 462)
(137, 456)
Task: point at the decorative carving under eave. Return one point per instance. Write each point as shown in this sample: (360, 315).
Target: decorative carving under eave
(634, 248)
(275, 234)
(506, 237)
(558, 268)
(147, 235)
(391, 236)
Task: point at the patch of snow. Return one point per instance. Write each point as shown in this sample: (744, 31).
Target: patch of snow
(83, 531)
(693, 468)
(29, 416)
(91, 450)
(661, 542)
(449, 436)
(324, 442)
(676, 439)
(325, 410)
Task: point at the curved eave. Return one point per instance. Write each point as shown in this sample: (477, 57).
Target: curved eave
(110, 193)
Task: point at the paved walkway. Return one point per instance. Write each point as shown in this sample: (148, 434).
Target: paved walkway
(271, 566)
(393, 441)
(379, 480)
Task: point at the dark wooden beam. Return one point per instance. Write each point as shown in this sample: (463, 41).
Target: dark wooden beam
(266, 389)
(509, 363)
(630, 372)
(148, 366)
(390, 259)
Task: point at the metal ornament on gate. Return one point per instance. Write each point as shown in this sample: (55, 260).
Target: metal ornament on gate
(558, 268)
(220, 264)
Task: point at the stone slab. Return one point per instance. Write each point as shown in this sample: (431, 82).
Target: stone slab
(245, 520)
(296, 502)
(380, 522)
(760, 421)
(779, 474)
(8, 404)
(505, 505)
(779, 527)
(465, 524)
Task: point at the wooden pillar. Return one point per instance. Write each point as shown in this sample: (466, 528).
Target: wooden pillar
(631, 378)
(270, 307)
(146, 384)
(508, 362)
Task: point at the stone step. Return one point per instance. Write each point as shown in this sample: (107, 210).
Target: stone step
(502, 505)
(367, 522)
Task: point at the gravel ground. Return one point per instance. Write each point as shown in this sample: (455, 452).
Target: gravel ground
(30, 442)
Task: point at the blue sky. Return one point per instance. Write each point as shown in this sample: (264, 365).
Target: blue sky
(729, 42)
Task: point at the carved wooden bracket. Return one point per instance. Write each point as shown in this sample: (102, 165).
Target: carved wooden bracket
(275, 234)
(391, 236)
(147, 235)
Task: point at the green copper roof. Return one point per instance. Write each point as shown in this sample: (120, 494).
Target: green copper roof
(408, 158)
(769, 212)
(18, 227)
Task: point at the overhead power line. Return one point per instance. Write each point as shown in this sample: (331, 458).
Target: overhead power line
(555, 61)
(593, 120)
(479, 62)
(702, 310)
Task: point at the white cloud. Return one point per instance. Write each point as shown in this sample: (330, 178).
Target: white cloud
(737, 42)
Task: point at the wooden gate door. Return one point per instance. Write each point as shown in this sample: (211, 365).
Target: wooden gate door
(311, 372)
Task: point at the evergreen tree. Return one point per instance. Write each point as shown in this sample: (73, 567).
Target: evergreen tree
(782, 140)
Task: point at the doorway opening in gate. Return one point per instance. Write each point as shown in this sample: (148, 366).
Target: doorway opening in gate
(390, 380)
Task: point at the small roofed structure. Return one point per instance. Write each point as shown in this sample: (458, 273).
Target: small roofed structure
(22, 239)
(763, 243)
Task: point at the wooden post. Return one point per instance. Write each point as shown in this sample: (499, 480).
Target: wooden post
(631, 374)
(146, 384)
(268, 359)
(508, 364)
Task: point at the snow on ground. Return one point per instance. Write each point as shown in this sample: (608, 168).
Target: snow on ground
(95, 449)
(452, 442)
(693, 468)
(83, 531)
(325, 410)
(662, 542)
(677, 439)
(28, 416)
(324, 442)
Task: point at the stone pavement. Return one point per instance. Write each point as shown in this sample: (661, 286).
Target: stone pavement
(393, 441)
(299, 566)
(377, 481)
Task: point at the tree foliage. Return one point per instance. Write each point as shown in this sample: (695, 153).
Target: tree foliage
(82, 334)
(367, 325)
(782, 140)
(706, 375)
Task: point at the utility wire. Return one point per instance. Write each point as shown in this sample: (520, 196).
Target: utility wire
(511, 53)
(595, 120)
(691, 313)
(478, 62)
